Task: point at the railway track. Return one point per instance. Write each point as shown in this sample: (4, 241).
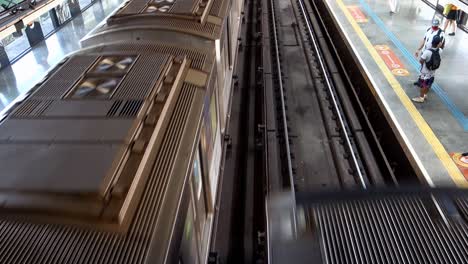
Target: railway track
(318, 100)
(325, 135)
(310, 131)
(334, 136)
(343, 123)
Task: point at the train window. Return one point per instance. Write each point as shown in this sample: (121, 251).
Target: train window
(197, 176)
(214, 116)
(222, 69)
(188, 248)
(209, 127)
(199, 200)
(228, 48)
(210, 144)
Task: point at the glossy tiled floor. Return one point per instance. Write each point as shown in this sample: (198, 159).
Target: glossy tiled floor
(409, 26)
(31, 68)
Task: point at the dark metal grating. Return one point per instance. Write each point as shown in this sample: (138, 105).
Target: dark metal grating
(130, 108)
(207, 30)
(216, 7)
(22, 242)
(114, 108)
(183, 6)
(391, 230)
(31, 108)
(462, 205)
(134, 7)
(142, 77)
(26, 108)
(42, 107)
(198, 58)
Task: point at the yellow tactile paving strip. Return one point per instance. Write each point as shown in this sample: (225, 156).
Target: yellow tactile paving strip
(425, 129)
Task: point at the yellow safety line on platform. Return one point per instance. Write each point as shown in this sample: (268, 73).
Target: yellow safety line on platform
(431, 138)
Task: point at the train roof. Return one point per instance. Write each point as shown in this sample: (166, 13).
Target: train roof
(201, 18)
(89, 158)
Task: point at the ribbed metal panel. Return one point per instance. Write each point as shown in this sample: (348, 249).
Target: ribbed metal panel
(114, 108)
(142, 77)
(134, 7)
(178, 7)
(198, 58)
(390, 230)
(463, 206)
(183, 6)
(130, 108)
(31, 108)
(22, 242)
(59, 83)
(26, 108)
(208, 29)
(216, 7)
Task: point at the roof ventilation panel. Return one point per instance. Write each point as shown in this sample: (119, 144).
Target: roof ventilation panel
(96, 87)
(114, 64)
(162, 6)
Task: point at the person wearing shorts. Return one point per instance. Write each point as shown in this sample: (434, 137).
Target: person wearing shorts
(452, 20)
(394, 6)
(426, 43)
(426, 76)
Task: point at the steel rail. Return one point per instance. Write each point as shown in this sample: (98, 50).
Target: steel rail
(333, 95)
(283, 110)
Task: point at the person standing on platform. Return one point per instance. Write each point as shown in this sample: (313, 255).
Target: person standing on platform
(451, 14)
(430, 62)
(394, 6)
(426, 43)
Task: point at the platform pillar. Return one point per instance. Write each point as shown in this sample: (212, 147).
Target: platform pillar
(4, 60)
(98, 10)
(34, 33)
(54, 18)
(462, 18)
(74, 7)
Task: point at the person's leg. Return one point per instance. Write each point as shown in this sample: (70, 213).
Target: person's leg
(454, 26)
(424, 91)
(446, 24)
(425, 85)
(392, 6)
(449, 26)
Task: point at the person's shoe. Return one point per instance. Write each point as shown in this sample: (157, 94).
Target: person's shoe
(418, 99)
(452, 34)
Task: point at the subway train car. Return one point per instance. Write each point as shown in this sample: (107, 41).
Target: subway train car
(114, 156)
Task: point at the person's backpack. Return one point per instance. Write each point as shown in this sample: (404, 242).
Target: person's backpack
(442, 40)
(434, 62)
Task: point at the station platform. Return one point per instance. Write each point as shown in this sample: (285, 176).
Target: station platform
(435, 132)
(25, 72)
